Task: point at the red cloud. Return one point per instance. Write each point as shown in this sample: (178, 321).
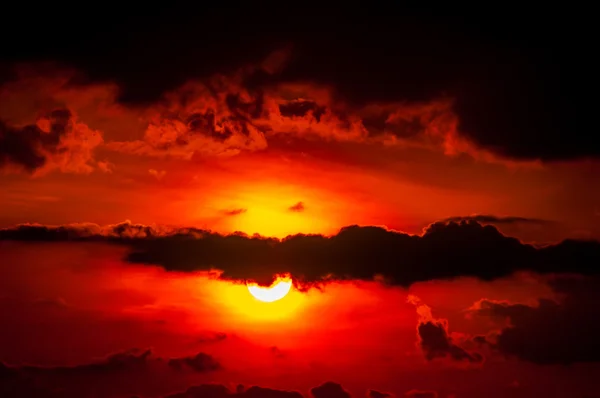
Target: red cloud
(224, 116)
(56, 141)
(298, 207)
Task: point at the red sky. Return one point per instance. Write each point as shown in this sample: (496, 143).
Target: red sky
(357, 333)
(426, 184)
(116, 167)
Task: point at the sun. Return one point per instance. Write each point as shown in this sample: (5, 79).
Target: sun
(278, 290)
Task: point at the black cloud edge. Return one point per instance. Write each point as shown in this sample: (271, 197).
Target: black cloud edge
(445, 250)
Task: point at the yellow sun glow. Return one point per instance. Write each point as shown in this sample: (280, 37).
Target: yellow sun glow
(278, 290)
(267, 209)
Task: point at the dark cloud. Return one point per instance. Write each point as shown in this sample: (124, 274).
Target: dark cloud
(377, 394)
(203, 391)
(56, 140)
(444, 250)
(20, 146)
(561, 332)
(199, 363)
(301, 108)
(434, 339)
(120, 362)
(516, 91)
(329, 390)
(102, 378)
(261, 392)
(133, 359)
(326, 390)
(14, 384)
(435, 343)
(491, 219)
(298, 207)
(205, 123)
(235, 212)
(531, 230)
(421, 394)
(212, 338)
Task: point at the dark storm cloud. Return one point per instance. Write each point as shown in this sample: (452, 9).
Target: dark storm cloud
(445, 250)
(562, 332)
(516, 90)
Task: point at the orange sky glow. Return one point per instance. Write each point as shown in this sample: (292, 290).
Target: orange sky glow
(339, 174)
(292, 223)
(178, 314)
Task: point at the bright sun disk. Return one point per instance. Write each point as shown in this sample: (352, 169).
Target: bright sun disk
(278, 290)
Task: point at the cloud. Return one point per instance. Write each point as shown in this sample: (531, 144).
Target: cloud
(14, 382)
(421, 394)
(104, 377)
(252, 107)
(505, 98)
(326, 390)
(329, 390)
(106, 166)
(111, 305)
(56, 142)
(235, 212)
(353, 253)
(215, 117)
(532, 230)
(298, 207)
(226, 115)
(434, 340)
(491, 219)
(378, 394)
(199, 363)
(124, 361)
(158, 174)
(435, 343)
(561, 332)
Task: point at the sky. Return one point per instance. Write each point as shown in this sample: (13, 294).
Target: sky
(429, 184)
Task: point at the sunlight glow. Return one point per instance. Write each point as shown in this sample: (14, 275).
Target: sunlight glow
(268, 210)
(278, 290)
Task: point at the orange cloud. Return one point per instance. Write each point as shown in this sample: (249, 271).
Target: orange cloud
(224, 116)
(57, 141)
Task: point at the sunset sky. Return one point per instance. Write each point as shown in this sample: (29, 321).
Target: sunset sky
(428, 186)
